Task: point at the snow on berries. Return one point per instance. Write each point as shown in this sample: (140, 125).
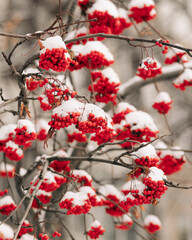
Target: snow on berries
(176, 55)
(92, 55)
(6, 232)
(162, 102)
(112, 195)
(172, 160)
(82, 177)
(146, 156)
(95, 230)
(66, 114)
(152, 223)
(43, 197)
(110, 19)
(42, 129)
(142, 10)
(105, 85)
(122, 109)
(7, 205)
(7, 133)
(25, 131)
(93, 197)
(149, 68)
(138, 126)
(54, 55)
(184, 80)
(25, 228)
(75, 203)
(60, 166)
(125, 222)
(155, 184)
(13, 151)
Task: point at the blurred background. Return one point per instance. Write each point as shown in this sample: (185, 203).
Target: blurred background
(174, 21)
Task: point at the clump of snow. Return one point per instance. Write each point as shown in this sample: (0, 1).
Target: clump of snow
(27, 236)
(141, 3)
(52, 42)
(140, 120)
(109, 189)
(110, 74)
(6, 200)
(96, 224)
(163, 97)
(87, 189)
(79, 198)
(152, 219)
(186, 75)
(28, 124)
(149, 60)
(82, 173)
(156, 174)
(42, 192)
(30, 70)
(49, 177)
(72, 105)
(15, 148)
(91, 108)
(145, 151)
(41, 124)
(104, 6)
(6, 130)
(7, 168)
(92, 46)
(6, 232)
(133, 185)
(123, 106)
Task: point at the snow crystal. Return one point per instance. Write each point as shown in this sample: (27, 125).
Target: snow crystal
(6, 232)
(93, 46)
(152, 219)
(156, 174)
(6, 130)
(163, 97)
(109, 189)
(104, 6)
(140, 120)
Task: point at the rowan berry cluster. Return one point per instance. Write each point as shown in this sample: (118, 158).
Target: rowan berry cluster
(25, 228)
(43, 236)
(56, 234)
(76, 136)
(32, 83)
(165, 48)
(96, 230)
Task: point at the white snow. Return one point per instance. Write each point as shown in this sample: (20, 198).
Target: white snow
(134, 185)
(96, 224)
(140, 120)
(6, 232)
(79, 198)
(8, 167)
(123, 14)
(152, 219)
(60, 153)
(111, 75)
(6, 130)
(140, 3)
(93, 46)
(126, 218)
(145, 151)
(149, 60)
(91, 108)
(15, 147)
(27, 236)
(30, 70)
(123, 106)
(186, 75)
(109, 189)
(156, 174)
(163, 97)
(104, 6)
(44, 193)
(72, 105)
(53, 42)
(41, 124)
(81, 173)
(28, 124)
(87, 189)
(49, 177)
(5, 200)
